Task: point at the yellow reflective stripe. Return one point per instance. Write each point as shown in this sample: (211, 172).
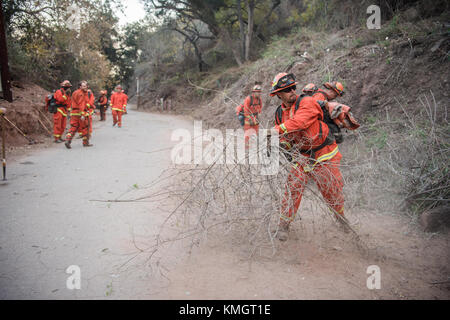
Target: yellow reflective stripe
(287, 144)
(60, 111)
(286, 218)
(283, 127)
(117, 109)
(328, 156)
(75, 114)
(88, 105)
(65, 97)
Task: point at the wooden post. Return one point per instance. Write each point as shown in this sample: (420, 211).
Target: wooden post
(5, 78)
(2, 127)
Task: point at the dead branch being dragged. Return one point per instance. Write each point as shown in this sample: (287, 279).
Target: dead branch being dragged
(235, 197)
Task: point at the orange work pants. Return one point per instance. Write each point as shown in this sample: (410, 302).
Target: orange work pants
(78, 125)
(59, 125)
(329, 181)
(117, 117)
(248, 132)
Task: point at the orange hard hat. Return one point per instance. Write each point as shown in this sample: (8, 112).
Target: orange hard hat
(282, 81)
(66, 83)
(309, 88)
(336, 86)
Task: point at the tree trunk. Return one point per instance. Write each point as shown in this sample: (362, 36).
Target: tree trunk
(250, 10)
(241, 28)
(202, 65)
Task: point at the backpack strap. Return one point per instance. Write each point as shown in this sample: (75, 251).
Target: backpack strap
(328, 141)
(299, 99)
(278, 115)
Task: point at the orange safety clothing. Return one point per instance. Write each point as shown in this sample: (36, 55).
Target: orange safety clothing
(117, 118)
(59, 125)
(251, 108)
(118, 103)
(304, 130)
(329, 182)
(63, 100)
(125, 102)
(91, 108)
(80, 100)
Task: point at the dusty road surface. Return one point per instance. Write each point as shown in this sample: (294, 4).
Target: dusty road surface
(50, 223)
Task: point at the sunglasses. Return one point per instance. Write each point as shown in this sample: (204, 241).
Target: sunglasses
(287, 90)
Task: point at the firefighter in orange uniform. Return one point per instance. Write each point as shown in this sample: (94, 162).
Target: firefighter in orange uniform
(62, 97)
(118, 103)
(79, 116)
(299, 121)
(250, 109)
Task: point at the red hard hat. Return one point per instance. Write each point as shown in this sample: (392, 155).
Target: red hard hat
(282, 81)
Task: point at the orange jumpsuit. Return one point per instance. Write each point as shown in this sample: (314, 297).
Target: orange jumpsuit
(251, 111)
(79, 108)
(118, 103)
(60, 117)
(304, 130)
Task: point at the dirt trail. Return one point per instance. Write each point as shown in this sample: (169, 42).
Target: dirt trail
(48, 223)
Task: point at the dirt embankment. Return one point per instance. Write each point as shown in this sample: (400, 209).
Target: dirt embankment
(404, 60)
(27, 112)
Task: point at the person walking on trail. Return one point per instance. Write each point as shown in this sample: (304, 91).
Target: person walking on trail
(118, 104)
(63, 100)
(299, 121)
(249, 112)
(103, 104)
(79, 116)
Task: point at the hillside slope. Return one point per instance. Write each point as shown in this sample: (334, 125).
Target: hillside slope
(396, 81)
(27, 112)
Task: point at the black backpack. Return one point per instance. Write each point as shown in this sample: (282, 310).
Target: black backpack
(51, 104)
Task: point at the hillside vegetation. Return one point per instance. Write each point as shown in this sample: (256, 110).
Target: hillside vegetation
(397, 83)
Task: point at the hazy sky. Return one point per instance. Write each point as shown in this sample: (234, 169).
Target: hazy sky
(134, 10)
